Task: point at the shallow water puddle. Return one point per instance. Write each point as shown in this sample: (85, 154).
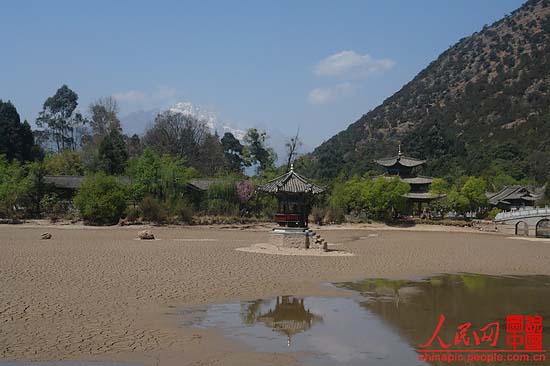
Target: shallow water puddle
(390, 321)
(328, 329)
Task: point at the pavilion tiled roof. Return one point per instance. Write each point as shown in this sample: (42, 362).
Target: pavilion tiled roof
(203, 184)
(403, 160)
(72, 182)
(291, 182)
(511, 193)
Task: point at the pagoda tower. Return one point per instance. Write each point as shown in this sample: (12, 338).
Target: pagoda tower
(405, 168)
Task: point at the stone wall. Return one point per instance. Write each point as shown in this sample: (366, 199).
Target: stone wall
(290, 240)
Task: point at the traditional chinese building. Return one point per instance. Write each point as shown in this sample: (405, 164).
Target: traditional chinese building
(295, 196)
(513, 197)
(65, 186)
(405, 168)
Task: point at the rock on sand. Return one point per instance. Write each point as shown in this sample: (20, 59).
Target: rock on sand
(146, 235)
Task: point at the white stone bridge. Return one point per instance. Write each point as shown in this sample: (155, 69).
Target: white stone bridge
(532, 221)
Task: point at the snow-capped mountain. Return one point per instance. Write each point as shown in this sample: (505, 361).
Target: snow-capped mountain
(211, 118)
(137, 122)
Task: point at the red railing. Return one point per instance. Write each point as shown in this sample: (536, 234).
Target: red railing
(288, 218)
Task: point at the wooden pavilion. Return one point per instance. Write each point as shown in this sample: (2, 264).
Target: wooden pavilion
(295, 196)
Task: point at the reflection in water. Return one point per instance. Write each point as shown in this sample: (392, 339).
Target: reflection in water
(412, 309)
(388, 325)
(289, 316)
(324, 331)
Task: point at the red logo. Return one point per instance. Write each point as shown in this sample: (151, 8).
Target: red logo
(523, 340)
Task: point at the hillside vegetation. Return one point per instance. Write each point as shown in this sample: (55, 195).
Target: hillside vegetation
(482, 108)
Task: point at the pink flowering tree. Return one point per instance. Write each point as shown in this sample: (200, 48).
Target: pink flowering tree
(245, 190)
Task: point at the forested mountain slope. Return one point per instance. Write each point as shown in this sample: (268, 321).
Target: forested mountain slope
(481, 108)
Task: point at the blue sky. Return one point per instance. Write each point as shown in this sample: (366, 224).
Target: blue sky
(319, 65)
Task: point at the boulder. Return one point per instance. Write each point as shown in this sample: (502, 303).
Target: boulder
(45, 236)
(146, 235)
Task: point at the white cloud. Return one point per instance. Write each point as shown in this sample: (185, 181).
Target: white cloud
(160, 97)
(130, 96)
(347, 66)
(329, 94)
(350, 64)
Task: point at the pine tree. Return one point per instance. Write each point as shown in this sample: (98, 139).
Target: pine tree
(112, 152)
(233, 151)
(16, 138)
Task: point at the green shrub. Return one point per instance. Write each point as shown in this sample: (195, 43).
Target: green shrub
(223, 190)
(133, 214)
(327, 215)
(335, 215)
(493, 213)
(474, 190)
(14, 189)
(379, 198)
(262, 206)
(64, 163)
(222, 199)
(53, 207)
(184, 212)
(153, 210)
(219, 206)
(318, 215)
(101, 199)
(163, 177)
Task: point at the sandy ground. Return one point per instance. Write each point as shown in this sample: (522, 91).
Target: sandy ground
(98, 294)
(266, 248)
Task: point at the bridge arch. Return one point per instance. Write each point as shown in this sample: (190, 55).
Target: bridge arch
(543, 228)
(522, 228)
